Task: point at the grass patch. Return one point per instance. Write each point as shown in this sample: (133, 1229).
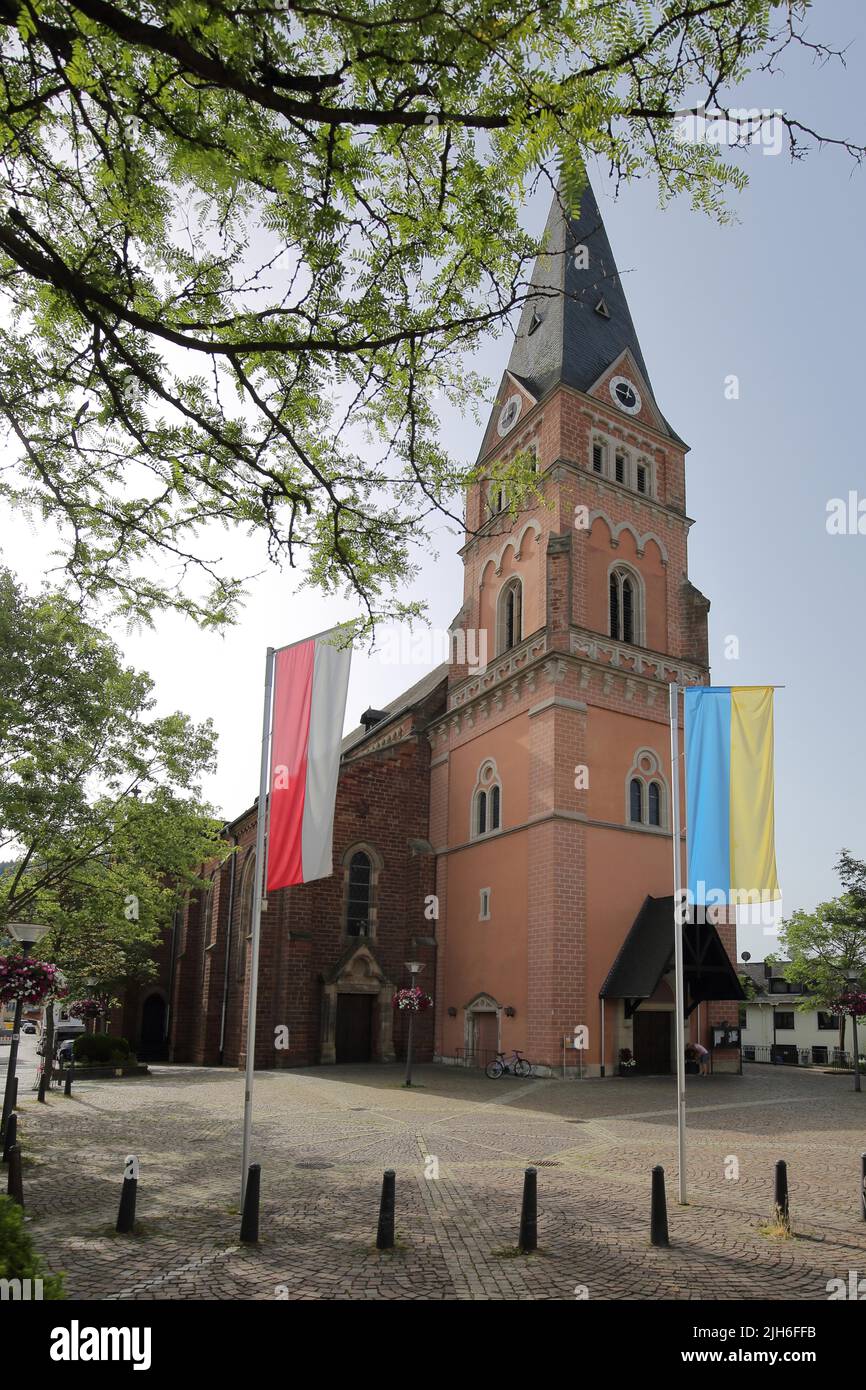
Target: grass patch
(776, 1230)
(512, 1252)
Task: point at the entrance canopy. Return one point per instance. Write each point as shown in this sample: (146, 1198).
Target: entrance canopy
(647, 955)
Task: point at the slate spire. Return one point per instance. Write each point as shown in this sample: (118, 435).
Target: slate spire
(579, 322)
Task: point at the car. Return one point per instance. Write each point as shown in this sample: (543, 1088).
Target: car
(29, 1028)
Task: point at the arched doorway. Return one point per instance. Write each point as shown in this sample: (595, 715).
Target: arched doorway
(152, 1043)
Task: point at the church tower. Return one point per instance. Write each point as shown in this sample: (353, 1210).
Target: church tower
(550, 796)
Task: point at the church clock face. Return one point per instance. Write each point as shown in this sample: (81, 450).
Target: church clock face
(508, 414)
(625, 395)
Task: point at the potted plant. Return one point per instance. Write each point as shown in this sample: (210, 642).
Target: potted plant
(627, 1062)
(693, 1065)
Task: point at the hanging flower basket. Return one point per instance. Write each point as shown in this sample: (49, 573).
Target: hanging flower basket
(852, 1002)
(25, 979)
(413, 1001)
(95, 1007)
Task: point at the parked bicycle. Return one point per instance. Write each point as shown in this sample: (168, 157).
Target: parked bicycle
(517, 1064)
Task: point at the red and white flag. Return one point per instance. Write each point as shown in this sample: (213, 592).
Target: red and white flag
(310, 683)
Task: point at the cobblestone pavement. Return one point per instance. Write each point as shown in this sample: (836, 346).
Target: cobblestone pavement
(324, 1136)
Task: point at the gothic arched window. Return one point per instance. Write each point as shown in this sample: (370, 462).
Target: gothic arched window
(359, 894)
(486, 801)
(655, 804)
(624, 596)
(636, 800)
(510, 615)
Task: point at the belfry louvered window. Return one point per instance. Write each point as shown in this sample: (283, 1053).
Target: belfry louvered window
(620, 468)
(623, 595)
(598, 458)
(510, 615)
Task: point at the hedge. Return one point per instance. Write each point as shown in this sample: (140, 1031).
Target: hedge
(99, 1048)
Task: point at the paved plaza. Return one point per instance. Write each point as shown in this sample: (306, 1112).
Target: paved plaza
(459, 1144)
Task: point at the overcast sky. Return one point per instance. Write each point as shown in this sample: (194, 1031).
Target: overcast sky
(777, 300)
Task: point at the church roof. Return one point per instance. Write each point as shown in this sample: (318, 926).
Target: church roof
(578, 323)
(408, 699)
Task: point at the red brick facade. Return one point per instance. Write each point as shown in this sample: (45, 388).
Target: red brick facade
(307, 959)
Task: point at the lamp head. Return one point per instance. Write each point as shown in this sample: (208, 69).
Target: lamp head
(26, 933)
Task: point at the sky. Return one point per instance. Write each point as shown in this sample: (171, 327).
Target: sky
(779, 301)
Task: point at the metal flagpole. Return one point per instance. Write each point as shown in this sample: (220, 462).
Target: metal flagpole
(256, 925)
(678, 941)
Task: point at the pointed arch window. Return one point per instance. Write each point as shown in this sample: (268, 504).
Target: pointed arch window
(654, 804)
(359, 894)
(361, 869)
(625, 605)
(486, 801)
(510, 615)
(636, 800)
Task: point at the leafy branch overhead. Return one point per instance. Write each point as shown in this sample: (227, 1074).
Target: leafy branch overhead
(244, 251)
(102, 829)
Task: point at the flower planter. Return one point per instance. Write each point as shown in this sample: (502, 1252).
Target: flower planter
(625, 1069)
(693, 1068)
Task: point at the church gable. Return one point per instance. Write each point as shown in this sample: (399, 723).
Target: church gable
(513, 402)
(623, 388)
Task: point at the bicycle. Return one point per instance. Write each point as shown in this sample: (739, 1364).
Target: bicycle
(517, 1064)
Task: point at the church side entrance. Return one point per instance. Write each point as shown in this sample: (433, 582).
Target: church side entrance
(652, 1042)
(354, 1030)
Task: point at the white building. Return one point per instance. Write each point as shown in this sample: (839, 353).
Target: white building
(774, 1025)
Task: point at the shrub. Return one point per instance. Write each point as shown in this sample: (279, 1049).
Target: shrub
(18, 1259)
(100, 1049)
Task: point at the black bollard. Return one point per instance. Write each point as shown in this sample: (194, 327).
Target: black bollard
(15, 1183)
(67, 1085)
(528, 1238)
(387, 1205)
(126, 1211)
(250, 1215)
(781, 1214)
(11, 1135)
(659, 1209)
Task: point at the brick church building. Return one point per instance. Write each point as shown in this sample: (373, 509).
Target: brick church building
(507, 826)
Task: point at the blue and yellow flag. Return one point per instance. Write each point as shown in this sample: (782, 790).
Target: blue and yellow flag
(730, 823)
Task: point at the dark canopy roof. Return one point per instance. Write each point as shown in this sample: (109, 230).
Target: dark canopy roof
(647, 954)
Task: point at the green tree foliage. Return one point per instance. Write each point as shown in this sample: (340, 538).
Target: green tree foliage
(18, 1259)
(99, 798)
(244, 250)
(828, 946)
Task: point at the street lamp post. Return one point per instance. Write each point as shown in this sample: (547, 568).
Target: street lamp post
(27, 933)
(414, 967)
(854, 981)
